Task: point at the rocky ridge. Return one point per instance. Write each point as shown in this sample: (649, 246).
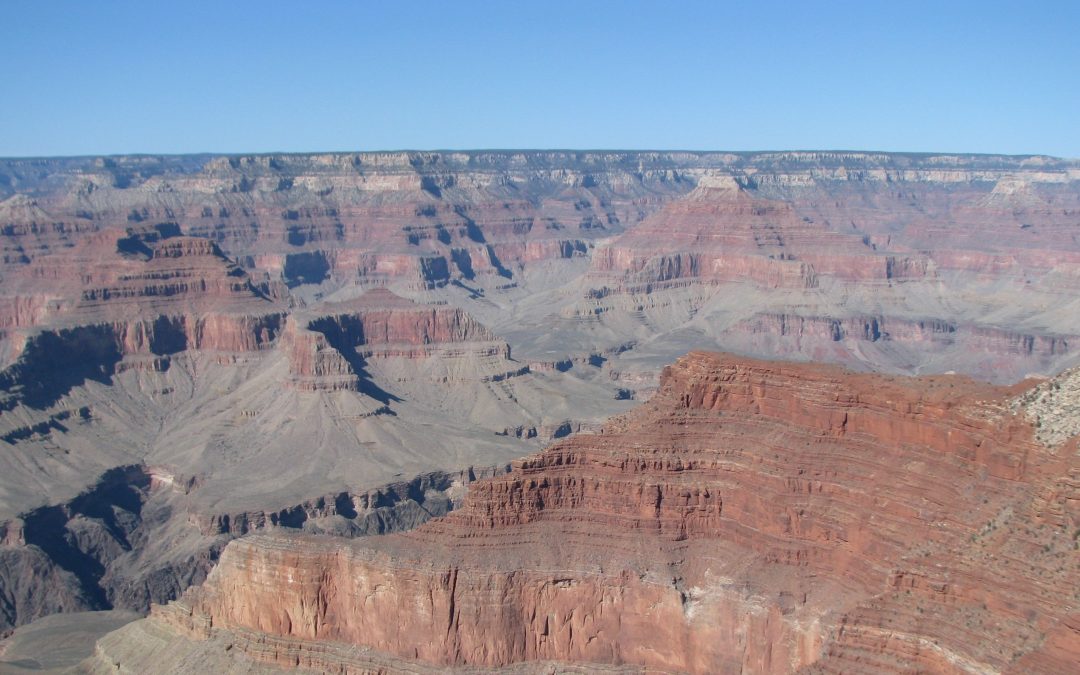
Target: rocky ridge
(651, 243)
(756, 517)
(135, 537)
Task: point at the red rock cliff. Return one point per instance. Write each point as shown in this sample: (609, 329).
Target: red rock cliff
(752, 517)
(327, 346)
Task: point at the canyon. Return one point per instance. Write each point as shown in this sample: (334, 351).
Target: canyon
(756, 517)
(213, 367)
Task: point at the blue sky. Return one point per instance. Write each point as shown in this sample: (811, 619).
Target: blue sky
(234, 76)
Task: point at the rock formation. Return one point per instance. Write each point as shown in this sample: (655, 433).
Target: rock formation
(254, 342)
(169, 360)
(638, 245)
(751, 517)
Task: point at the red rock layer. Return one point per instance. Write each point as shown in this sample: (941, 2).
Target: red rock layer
(727, 233)
(424, 217)
(786, 217)
(789, 230)
(751, 517)
(327, 345)
(844, 245)
(980, 231)
(121, 275)
(314, 365)
(382, 318)
(136, 293)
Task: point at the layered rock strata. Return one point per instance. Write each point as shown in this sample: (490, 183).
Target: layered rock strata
(171, 356)
(330, 344)
(142, 323)
(751, 517)
(984, 241)
(424, 217)
(208, 314)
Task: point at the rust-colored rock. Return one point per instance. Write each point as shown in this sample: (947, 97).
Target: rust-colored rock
(986, 242)
(751, 517)
(351, 317)
(328, 345)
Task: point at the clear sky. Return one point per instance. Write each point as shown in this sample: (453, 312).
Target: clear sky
(109, 77)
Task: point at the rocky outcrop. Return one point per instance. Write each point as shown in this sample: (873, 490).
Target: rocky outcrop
(985, 241)
(51, 362)
(1053, 407)
(116, 269)
(389, 508)
(142, 292)
(329, 346)
(420, 217)
(432, 217)
(752, 516)
(724, 232)
(800, 241)
(316, 365)
(869, 328)
(381, 319)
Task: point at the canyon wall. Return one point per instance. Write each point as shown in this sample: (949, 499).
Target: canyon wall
(985, 241)
(751, 517)
(286, 329)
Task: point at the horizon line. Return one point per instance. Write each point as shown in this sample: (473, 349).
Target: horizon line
(301, 153)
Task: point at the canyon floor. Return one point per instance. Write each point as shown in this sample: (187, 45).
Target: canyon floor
(264, 349)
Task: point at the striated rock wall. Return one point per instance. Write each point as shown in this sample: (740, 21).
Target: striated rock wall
(595, 267)
(314, 364)
(423, 217)
(970, 248)
(752, 516)
(50, 362)
(986, 241)
(903, 331)
(431, 217)
(329, 345)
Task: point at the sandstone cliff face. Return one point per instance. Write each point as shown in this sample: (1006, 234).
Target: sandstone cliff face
(753, 516)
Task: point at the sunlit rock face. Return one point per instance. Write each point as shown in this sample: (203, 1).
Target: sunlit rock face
(751, 517)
